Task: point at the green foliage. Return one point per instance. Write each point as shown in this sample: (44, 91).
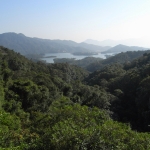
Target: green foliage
(53, 106)
(1, 95)
(78, 127)
(9, 127)
(121, 58)
(119, 136)
(70, 126)
(129, 83)
(81, 63)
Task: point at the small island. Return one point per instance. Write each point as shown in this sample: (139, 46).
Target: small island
(49, 57)
(85, 53)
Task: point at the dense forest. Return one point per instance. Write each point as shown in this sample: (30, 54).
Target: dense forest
(62, 106)
(92, 64)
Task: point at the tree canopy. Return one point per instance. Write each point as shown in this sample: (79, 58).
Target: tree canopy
(62, 106)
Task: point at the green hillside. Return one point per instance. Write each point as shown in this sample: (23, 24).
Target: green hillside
(62, 106)
(130, 84)
(92, 64)
(121, 58)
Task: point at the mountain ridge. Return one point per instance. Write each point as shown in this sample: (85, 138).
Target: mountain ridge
(28, 45)
(141, 42)
(123, 48)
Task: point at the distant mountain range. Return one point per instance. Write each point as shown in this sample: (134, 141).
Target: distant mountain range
(123, 48)
(27, 45)
(142, 42)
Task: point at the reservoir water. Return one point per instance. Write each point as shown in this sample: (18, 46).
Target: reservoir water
(49, 57)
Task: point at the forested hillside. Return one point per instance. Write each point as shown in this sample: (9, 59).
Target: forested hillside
(92, 64)
(81, 63)
(62, 106)
(121, 58)
(130, 84)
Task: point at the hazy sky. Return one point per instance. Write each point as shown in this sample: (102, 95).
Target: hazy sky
(77, 20)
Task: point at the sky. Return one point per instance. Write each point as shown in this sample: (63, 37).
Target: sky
(77, 20)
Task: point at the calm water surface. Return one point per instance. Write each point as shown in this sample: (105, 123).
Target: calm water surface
(69, 55)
